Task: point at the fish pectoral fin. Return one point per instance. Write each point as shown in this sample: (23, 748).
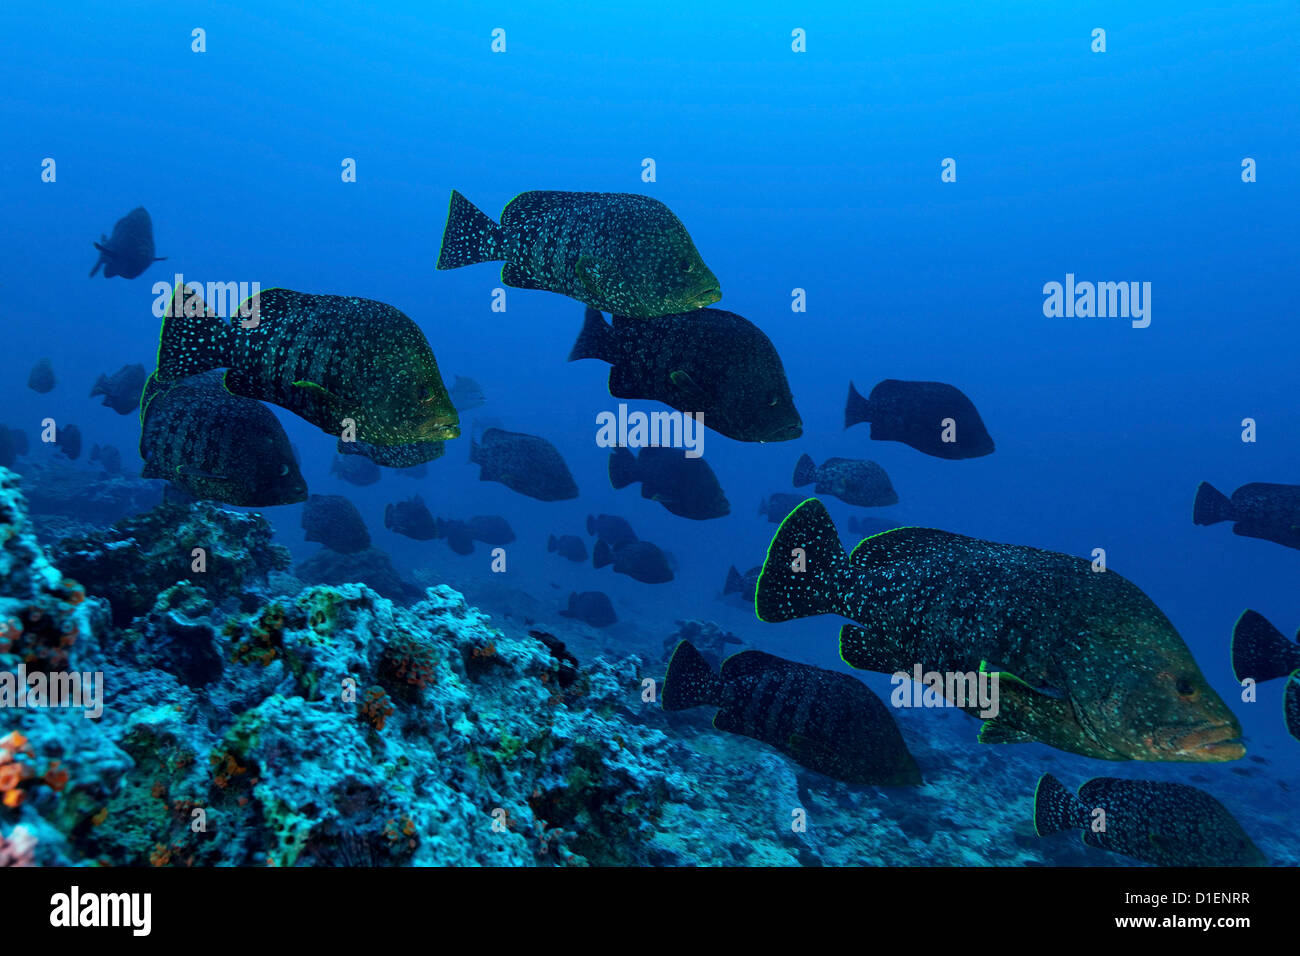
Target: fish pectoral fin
(998, 732)
(319, 391)
(1046, 690)
(597, 275)
(690, 389)
(189, 471)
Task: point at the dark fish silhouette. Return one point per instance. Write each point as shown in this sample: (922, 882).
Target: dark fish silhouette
(13, 442)
(129, 251)
(639, 560)
(618, 252)
(743, 585)
(68, 438)
(122, 389)
(828, 722)
(1168, 824)
(41, 377)
(411, 518)
(776, 507)
(109, 458)
(567, 546)
(862, 483)
(334, 522)
(1087, 662)
(408, 459)
(1260, 510)
(708, 361)
(1259, 651)
(592, 607)
(922, 415)
(611, 529)
(687, 487)
(456, 534)
(326, 358)
(216, 445)
(355, 469)
(490, 529)
(869, 526)
(466, 393)
(527, 464)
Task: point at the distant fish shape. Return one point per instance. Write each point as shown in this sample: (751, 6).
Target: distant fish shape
(406, 459)
(215, 445)
(617, 252)
(1260, 510)
(412, 519)
(639, 560)
(68, 438)
(710, 362)
(1259, 651)
(109, 458)
(129, 251)
(334, 522)
(687, 487)
(355, 469)
(13, 442)
(466, 393)
(122, 389)
(922, 415)
(524, 463)
(742, 584)
(1087, 663)
(591, 607)
(1167, 824)
(862, 483)
(456, 534)
(490, 529)
(41, 377)
(828, 722)
(775, 507)
(326, 358)
(568, 546)
(869, 526)
(612, 529)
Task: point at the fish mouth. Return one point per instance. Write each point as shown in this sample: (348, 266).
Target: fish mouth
(442, 431)
(707, 297)
(1220, 742)
(785, 432)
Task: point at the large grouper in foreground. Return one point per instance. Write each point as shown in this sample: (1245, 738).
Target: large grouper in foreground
(216, 445)
(1087, 663)
(329, 359)
(617, 252)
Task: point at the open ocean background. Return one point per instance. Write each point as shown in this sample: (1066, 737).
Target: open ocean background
(818, 171)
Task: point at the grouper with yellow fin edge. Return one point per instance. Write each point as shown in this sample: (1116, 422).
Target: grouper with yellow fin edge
(326, 358)
(1087, 662)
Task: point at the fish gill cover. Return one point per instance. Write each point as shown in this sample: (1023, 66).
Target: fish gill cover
(340, 620)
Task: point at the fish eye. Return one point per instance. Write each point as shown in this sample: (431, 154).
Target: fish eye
(1185, 689)
(284, 470)
(686, 265)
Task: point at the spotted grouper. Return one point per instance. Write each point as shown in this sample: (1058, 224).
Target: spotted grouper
(329, 359)
(1087, 662)
(617, 252)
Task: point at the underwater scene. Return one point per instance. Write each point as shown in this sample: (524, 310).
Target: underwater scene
(628, 435)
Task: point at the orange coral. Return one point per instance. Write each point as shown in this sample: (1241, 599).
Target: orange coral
(376, 707)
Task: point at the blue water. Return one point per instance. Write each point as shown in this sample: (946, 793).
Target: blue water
(816, 170)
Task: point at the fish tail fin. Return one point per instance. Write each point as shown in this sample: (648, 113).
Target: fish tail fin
(564, 611)
(690, 681)
(805, 472)
(100, 382)
(602, 554)
(797, 579)
(595, 340)
(1259, 651)
(622, 468)
(1056, 808)
(470, 236)
(550, 543)
(1211, 505)
(192, 338)
(591, 524)
(735, 583)
(388, 516)
(762, 505)
(856, 408)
